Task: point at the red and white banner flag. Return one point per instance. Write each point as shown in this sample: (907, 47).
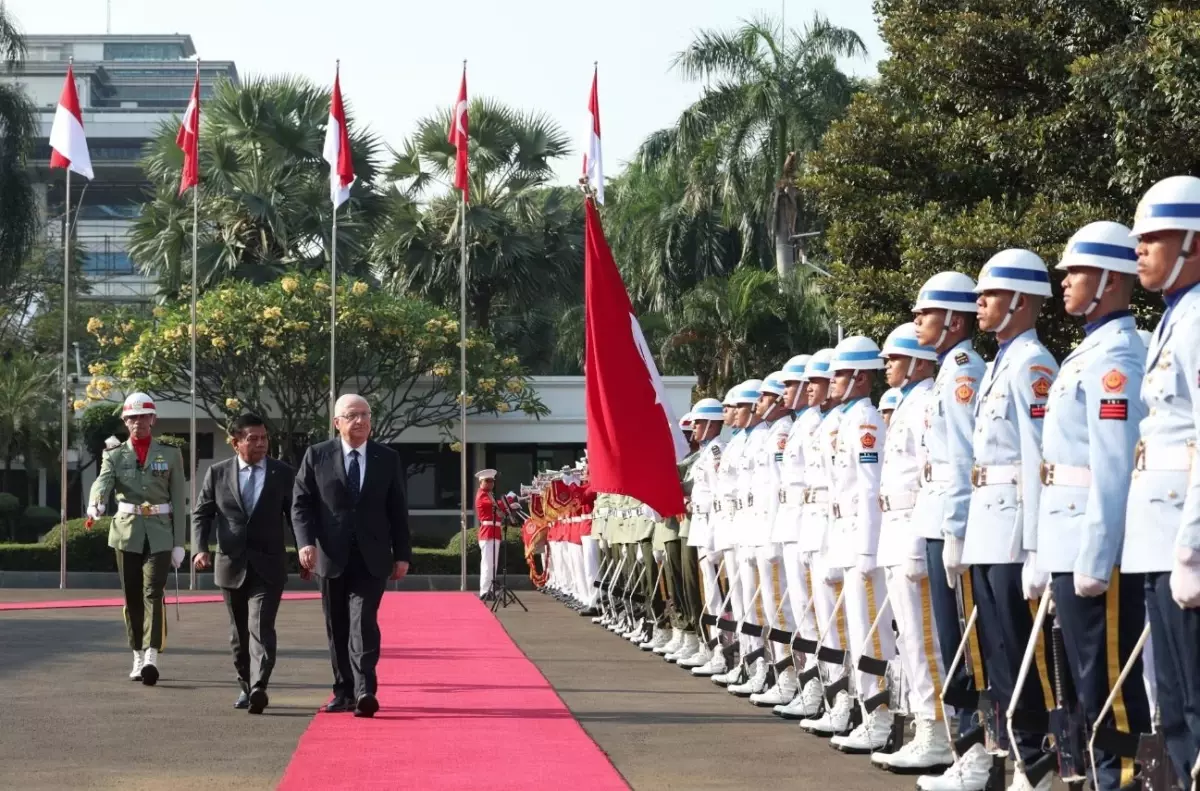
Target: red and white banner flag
(337, 147)
(459, 135)
(68, 143)
(593, 161)
(633, 440)
(188, 140)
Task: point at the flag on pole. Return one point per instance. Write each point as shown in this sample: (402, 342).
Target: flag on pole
(633, 440)
(188, 140)
(459, 127)
(593, 162)
(337, 147)
(68, 143)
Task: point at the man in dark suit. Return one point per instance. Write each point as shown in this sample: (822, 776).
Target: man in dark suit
(351, 524)
(246, 502)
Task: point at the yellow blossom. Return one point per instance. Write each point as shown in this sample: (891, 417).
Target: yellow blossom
(94, 325)
(456, 446)
(272, 312)
(271, 341)
(514, 385)
(365, 324)
(299, 358)
(486, 385)
(104, 386)
(232, 404)
(511, 360)
(320, 286)
(441, 369)
(289, 284)
(451, 326)
(469, 400)
(117, 340)
(502, 407)
(97, 369)
(79, 404)
(359, 288)
(219, 343)
(159, 312)
(127, 327)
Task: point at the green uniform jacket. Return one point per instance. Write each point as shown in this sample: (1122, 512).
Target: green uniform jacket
(685, 475)
(600, 523)
(640, 528)
(618, 526)
(160, 481)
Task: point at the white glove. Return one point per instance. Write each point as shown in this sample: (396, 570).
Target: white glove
(866, 564)
(1033, 582)
(1089, 587)
(915, 570)
(177, 555)
(650, 513)
(1185, 578)
(95, 510)
(833, 575)
(952, 559)
(659, 555)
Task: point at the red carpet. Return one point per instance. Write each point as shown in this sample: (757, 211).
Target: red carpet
(461, 708)
(184, 598)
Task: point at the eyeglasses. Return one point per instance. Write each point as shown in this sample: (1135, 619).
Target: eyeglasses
(355, 416)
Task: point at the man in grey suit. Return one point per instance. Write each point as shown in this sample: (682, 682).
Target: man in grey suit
(351, 523)
(246, 503)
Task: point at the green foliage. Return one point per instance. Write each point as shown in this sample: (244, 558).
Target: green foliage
(1006, 125)
(19, 128)
(10, 508)
(265, 348)
(87, 550)
(36, 520)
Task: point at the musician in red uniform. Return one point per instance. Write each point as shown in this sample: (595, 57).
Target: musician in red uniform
(487, 516)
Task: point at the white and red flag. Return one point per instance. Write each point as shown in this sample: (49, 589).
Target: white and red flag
(459, 134)
(337, 147)
(593, 161)
(188, 140)
(68, 143)
(633, 440)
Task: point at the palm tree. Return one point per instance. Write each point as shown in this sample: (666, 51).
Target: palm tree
(19, 222)
(28, 407)
(264, 193)
(524, 238)
(769, 96)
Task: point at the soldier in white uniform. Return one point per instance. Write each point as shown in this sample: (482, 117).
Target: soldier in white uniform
(854, 533)
(776, 418)
(1088, 439)
(814, 541)
(708, 420)
(1163, 539)
(1001, 539)
(888, 403)
(910, 367)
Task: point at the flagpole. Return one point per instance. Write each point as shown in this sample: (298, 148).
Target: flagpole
(462, 379)
(333, 296)
(67, 396)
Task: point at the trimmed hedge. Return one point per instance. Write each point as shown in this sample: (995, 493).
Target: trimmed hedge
(88, 550)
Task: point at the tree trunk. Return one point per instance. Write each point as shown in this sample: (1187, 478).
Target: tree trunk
(784, 227)
(481, 309)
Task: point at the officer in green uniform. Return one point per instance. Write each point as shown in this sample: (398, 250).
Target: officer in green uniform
(147, 531)
(685, 564)
(643, 530)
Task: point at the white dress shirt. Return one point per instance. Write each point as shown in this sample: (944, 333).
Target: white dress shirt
(362, 461)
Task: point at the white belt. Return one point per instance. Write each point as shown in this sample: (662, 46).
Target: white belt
(901, 501)
(936, 473)
(844, 506)
(1065, 475)
(994, 475)
(1170, 458)
(817, 494)
(488, 523)
(145, 510)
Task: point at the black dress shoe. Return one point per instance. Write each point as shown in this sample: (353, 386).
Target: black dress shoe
(258, 700)
(243, 701)
(339, 705)
(366, 706)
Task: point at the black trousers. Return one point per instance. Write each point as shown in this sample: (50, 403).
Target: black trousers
(1006, 626)
(947, 629)
(252, 610)
(673, 577)
(1175, 633)
(143, 582)
(1090, 627)
(691, 586)
(351, 604)
(652, 592)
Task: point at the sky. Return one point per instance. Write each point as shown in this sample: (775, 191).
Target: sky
(402, 60)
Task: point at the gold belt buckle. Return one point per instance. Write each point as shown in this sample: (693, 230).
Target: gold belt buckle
(837, 511)
(1139, 455)
(978, 476)
(885, 504)
(1046, 472)
(146, 510)
(928, 472)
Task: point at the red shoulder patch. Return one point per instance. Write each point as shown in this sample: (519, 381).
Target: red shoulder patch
(1114, 381)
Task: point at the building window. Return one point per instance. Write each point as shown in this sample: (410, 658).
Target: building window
(432, 475)
(143, 52)
(517, 464)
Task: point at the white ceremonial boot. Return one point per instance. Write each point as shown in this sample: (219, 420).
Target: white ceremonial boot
(1021, 782)
(735, 675)
(688, 646)
(672, 645)
(150, 667)
(806, 705)
(929, 749)
(781, 692)
(834, 720)
(968, 773)
(660, 640)
(138, 661)
(755, 684)
(870, 735)
(700, 656)
(714, 666)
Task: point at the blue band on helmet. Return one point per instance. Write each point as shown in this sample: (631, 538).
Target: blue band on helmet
(817, 367)
(1106, 250)
(793, 369)
(1175, 210)
(1013, 273)
(748, 394)
(911, 343)
(708, 411)
(858, 356)
(948, 296)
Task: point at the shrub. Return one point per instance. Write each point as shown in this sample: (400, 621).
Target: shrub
(10, 506)
(37, 520)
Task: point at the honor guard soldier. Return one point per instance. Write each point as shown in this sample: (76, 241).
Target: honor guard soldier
(1088, 443)
(888, 403)
(910, 367)
(1163, 541)
(854, 533)
(1001, 540)
(488, 518)
(670, 537)
(148, 530)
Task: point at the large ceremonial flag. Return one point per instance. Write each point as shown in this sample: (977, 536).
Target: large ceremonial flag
(633, 440)
(459, 128)
(68, 143)
(593, 162)
(337, 147)
(188, 140)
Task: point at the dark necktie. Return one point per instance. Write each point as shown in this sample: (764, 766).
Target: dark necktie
(248, 491)
(353, 476)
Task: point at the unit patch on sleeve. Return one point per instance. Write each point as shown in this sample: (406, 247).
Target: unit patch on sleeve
(1114, 409)
(867, 440)
(1041, 388)
(1114, 381)
(964, 393)
(868, 458)
(962, 358)
(1037, 411)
